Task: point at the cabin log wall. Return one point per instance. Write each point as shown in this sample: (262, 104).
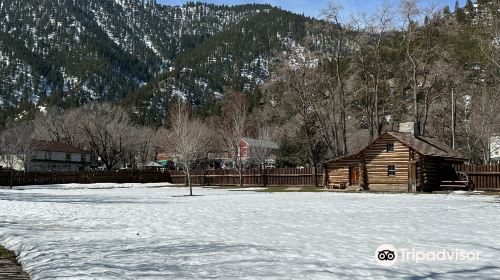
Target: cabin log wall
(338, 172)
(430, 173)
(377, 161)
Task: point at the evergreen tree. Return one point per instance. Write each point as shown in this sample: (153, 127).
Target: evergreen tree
(446, 10)
(459, 13)
(470, 11)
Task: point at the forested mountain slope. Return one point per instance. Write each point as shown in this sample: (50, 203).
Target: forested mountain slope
(69, 52)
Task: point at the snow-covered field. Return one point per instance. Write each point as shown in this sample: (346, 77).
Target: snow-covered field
(155, 233)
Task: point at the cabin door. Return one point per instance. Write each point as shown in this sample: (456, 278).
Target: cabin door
(412, 177)
(353, 175)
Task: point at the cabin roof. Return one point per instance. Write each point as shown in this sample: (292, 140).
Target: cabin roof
(427, 146)
(423, 145)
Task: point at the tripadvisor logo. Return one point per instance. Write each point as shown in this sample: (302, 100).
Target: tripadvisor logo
(387, 255)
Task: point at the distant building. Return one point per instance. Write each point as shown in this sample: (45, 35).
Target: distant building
(495, 148)
(55, 156)
(152, 165)
(253, 153)
(256, 151)
(52, 156)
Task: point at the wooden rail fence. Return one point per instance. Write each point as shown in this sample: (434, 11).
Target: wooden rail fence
(82, 177)
(486, 177)
(252, 177)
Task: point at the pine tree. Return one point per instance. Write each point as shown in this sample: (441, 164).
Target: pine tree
(446, 10)
(470, 11)
(459, 13)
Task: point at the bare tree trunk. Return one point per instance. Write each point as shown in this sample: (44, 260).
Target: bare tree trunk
(343, 115)
(188, 173)
(12, 179)
(332, 13)
(240, 172)
(264, 176)
(315, 171)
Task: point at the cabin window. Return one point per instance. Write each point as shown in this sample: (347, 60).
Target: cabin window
(83, 159)
(390, 147)
(391, 170)
(68, 157)
(48, 155)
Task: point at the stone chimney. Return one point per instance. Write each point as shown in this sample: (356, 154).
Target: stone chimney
(408, 127)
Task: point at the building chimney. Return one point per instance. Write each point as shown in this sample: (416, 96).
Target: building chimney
(408, 127)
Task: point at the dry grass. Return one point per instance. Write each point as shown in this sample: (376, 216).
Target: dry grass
(4, 253)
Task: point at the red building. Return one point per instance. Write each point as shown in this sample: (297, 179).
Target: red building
(258, 152)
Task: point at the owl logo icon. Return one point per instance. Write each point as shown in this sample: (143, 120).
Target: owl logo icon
(386, 255)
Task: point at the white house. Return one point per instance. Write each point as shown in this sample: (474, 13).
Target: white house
(495, 148)
(53, 156)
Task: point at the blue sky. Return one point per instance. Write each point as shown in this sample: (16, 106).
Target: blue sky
(313, 7)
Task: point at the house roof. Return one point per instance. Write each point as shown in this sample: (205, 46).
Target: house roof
(49, 146)
(261, 143)
(152, 164)
(423, 145)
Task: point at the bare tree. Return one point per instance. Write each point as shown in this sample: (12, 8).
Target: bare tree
(61, 126)
(188, 139)
(141, 147)
(105, 128)
(336, 53)
(484, 120)
(421, 53)
(301, 98)
(262, 150)
(369, 33)
(233, 126)
(17, 147)
(260, 154)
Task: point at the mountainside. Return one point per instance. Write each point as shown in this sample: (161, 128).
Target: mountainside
(68, 52)
(322, 89)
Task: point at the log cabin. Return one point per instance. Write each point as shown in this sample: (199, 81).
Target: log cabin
(395, 161)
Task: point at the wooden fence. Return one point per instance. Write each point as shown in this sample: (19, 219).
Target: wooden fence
(486, 177)
(252, 177)
(82, 177)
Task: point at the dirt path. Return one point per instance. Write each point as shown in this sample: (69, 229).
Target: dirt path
(9, 267)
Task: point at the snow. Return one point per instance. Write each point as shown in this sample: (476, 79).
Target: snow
(298, 56)
(69, 81)
(179, 93)
(42, 109)
(150, 45)
(139, 232)
(92, 186)
(4, 59)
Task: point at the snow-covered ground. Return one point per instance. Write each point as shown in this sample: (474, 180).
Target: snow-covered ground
(156, 233)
